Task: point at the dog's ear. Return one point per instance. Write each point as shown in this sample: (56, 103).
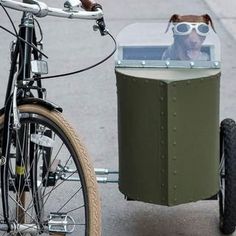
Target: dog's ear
(173, 18)
(208, 20)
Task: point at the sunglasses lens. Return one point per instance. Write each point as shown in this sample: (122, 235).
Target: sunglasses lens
(203, 28)
(182, 28)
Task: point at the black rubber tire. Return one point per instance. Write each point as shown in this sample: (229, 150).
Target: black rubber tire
(78, 198)
(227, 193)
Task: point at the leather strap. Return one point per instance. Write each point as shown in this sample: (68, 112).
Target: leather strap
(90, 5)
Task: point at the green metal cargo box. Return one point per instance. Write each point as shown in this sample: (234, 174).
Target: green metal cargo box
(168, 123)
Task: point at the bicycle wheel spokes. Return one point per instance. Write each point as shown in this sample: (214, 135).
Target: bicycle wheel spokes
(45, 193)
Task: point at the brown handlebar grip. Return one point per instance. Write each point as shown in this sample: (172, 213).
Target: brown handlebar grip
(90, 5)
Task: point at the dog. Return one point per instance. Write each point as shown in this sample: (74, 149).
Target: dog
(189, 33)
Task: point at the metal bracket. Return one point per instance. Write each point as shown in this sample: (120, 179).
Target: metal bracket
(2, 160)
(104, 175)
(71, 4)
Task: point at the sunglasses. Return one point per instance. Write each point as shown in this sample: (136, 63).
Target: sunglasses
(185, 28)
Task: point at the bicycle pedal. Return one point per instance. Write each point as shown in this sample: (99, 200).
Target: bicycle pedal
(61, 223)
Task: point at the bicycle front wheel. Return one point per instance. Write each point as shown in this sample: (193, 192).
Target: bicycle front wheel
(50, 185)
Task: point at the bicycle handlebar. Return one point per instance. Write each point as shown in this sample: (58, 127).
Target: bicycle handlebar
(40, 9)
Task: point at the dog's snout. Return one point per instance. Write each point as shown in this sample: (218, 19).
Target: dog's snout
(194, 38)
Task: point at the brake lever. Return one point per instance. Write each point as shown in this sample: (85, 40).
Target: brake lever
(101, 26)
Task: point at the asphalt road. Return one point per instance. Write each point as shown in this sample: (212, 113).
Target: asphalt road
(89, 102)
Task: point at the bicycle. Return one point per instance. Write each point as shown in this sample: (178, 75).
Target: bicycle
(48, 184)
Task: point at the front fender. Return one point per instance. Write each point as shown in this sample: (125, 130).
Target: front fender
(38, 101)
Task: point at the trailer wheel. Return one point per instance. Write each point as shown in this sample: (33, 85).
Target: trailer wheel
(227, 193)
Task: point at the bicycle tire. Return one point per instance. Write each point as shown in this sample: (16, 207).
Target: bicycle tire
(227, 194)
(39, 190)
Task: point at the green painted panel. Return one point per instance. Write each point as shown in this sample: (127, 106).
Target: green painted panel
(140, 165)
(193, 139)
(168, 135)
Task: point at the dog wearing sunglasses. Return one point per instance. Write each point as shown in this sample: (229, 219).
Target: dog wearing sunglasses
(189, 33)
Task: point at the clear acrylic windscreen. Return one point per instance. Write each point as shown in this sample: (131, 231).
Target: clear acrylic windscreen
(149, 45)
